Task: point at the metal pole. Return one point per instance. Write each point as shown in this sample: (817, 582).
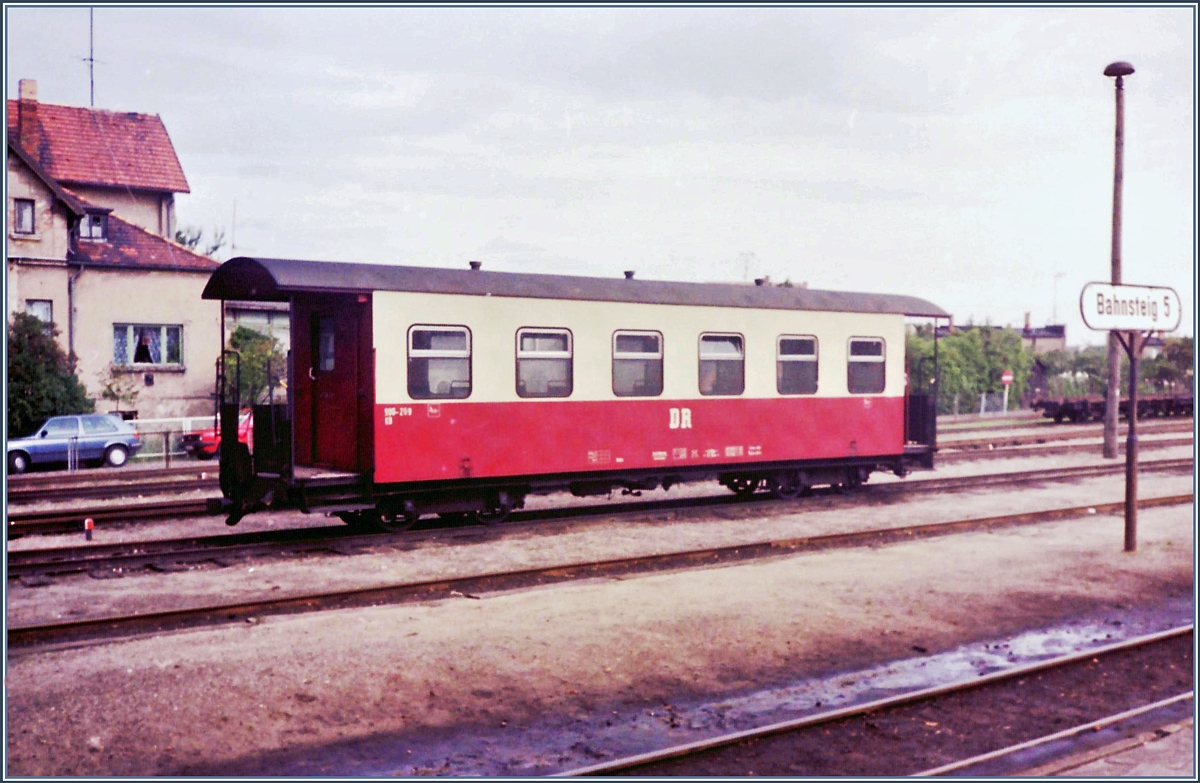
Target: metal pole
(1113, 397)
(1131, 445)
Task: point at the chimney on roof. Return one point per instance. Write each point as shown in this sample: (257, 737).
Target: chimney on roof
(629, 274)
(28, 130)
(1027, 326)
(475, 265)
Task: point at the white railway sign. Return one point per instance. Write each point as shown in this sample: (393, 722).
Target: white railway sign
(1143, 308)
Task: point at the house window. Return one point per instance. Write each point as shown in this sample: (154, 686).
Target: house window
(722, 364)
(544, 363)
(23, 216)
(439, 362)
(796, 365)
(865, 369)
(91, 226)
(148, 344)
(637, 364)
(41, 309)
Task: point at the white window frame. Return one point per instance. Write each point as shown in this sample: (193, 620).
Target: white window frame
(793, 357)
(18, 204)
(131, 346)
(93, 226)
(641, 356)
(568, 355)
(741, 357)
(441, 353)
(852, 359)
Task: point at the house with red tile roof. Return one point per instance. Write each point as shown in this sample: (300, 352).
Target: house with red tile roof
(90, 219)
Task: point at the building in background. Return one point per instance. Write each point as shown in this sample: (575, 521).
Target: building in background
(91, 216)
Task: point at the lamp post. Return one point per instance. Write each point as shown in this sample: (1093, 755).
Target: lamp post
(1113, 399)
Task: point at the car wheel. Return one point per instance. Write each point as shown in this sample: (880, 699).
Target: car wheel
(116, 456)
(204, 455)
(18, 462)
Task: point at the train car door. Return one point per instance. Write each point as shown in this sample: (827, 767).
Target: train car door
(336, 376)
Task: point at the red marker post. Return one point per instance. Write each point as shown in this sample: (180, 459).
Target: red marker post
(89, 525)
(1006, 378)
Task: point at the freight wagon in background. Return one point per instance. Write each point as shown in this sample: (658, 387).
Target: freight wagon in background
(1093, 406)
(441, 391)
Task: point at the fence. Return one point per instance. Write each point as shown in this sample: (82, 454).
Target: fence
(162, 439)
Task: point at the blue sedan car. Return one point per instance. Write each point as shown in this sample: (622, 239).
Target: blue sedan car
(98, 438)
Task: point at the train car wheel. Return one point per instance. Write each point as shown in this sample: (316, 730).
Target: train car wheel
(397, 520)
(785, 486)
(499, 509)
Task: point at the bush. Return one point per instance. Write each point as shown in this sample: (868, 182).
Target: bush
(41, 378)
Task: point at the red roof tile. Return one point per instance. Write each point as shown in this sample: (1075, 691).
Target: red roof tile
(126, 245)
(98, 147)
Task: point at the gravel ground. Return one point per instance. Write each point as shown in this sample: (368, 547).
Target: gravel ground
(223, 699)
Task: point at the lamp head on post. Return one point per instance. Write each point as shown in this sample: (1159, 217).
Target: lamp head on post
(1118, 69)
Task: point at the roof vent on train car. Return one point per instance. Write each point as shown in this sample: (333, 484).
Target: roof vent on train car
(628, 274)
(475, 265)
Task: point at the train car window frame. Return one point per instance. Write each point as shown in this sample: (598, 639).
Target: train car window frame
(716, 374)
(419, 359)
(528, 360)
(861, 376)
(790, 377)
(649, 364)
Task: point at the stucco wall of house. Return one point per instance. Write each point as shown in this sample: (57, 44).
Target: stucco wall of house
(50, 238)
(106, 297)
(46, 281)
(154, 212)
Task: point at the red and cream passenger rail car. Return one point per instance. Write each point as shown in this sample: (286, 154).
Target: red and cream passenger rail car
(418, 390)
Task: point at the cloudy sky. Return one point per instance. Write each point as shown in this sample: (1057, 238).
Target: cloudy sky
(961, 155)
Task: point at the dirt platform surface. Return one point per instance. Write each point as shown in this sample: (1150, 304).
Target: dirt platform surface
(224, 699)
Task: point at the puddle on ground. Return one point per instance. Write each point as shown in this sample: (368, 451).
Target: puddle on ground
(558, 743)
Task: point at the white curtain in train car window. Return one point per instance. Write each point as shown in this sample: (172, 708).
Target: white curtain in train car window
(722, 364)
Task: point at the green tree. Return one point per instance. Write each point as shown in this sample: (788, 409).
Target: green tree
(970, 363)
(258, 351)
(192, 238)
(41, 378)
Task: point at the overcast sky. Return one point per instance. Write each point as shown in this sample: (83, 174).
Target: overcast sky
(960, 155)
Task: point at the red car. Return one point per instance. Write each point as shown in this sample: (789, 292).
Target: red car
(204, 444)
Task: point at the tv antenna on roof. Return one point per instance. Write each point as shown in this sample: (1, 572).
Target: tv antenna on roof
(91, 58)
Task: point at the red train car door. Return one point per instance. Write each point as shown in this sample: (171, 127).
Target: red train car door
(339, 381)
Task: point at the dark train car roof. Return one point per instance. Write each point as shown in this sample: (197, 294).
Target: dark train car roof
(276, 279)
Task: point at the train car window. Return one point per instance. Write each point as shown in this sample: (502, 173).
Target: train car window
(796, 364)
(545, 363)
(722, 364)
(637, 364)
(325, 343)
(865, 369)
(439, 362)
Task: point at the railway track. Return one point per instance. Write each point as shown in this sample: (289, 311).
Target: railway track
(947, 457)
(21, 523)
(470, 586)
(1008, 439)
(989, 725)
(34, 488)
